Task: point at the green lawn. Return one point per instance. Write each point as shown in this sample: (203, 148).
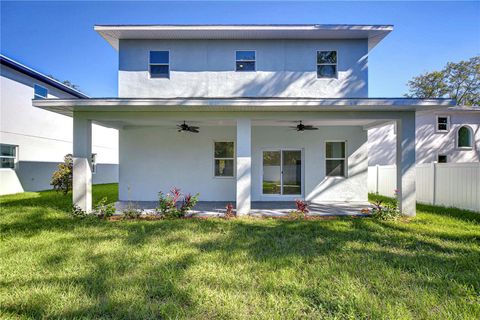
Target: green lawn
(53, 266)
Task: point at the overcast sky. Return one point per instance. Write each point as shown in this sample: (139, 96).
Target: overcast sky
(57, 38)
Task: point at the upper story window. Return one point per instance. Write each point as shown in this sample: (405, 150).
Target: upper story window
(40, 92)
(443, 123)
(245, 61)
(326, 64)
(159, 65)
(8, 156)
(465, 137)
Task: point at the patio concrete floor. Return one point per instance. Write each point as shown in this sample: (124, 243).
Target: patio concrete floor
(262, 208)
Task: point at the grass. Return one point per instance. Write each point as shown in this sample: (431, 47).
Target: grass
(53, 266)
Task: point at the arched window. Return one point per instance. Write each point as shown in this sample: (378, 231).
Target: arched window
(464, 137)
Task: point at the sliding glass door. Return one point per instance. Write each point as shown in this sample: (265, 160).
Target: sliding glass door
(282, 172)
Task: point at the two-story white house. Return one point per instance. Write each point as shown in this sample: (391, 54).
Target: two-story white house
(33, 141)
(246, 114)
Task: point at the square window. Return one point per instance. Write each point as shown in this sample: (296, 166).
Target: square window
(443, 123)
(442, 158)
(159, 64)
(326, 64)
(245, 60)
(40, 92)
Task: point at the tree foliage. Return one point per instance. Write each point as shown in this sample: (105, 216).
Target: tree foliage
(62, 179)
(459, 81)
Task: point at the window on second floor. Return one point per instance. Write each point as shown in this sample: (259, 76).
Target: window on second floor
(465, 137)
(326, 64)
(245, 60)
(159, 65)
(40, 92)
(443, 123)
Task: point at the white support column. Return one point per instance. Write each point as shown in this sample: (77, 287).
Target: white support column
(406, 163)
(244, 165)
(82, 153)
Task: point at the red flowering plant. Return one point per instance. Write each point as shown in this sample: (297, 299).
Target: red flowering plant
(301, 211)
(167, 203)
(229, 211)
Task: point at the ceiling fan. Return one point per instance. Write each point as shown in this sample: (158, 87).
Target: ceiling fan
(302, 127)
(186, 128)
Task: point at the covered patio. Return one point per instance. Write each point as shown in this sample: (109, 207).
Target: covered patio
(154, 157)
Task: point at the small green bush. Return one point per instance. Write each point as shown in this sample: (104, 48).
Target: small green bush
(130, 212)
(103, 209)
(62, 179)
(385, 212)
(77, 212)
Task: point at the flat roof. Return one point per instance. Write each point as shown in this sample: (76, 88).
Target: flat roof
(68, 106)
(373, 33)
(9, 62)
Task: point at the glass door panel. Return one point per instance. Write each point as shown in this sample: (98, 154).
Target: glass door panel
(292, 172)
(272, 178)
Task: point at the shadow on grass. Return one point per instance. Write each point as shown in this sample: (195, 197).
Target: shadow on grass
(438, 261)
(459, 214)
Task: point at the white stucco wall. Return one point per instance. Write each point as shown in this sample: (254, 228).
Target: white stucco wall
(44, 137)
(156, 158)
(206, 68)
(429, 143)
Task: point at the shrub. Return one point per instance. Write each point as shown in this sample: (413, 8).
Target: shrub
(77, 212)
(62, 177)
(130, 212)
(103, 209)
(385, 212)
(167, 203)
(301, 210)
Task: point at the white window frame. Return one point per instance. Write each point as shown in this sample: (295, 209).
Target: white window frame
(282, 195)
(37, 96)
(254, 61)
(15, 157)
(472, 140)
(345, 159)
(437, 123)
(215, 158)
(158, 64)
(326, 64)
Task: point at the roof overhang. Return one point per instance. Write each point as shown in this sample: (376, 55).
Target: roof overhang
(373, 33)
(69, 106)
(17, 66)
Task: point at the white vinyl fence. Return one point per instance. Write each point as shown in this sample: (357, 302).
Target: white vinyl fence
(446, 184)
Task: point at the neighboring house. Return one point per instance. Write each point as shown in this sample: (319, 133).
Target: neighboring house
(447, 136)
(244, 88)
(34, 141)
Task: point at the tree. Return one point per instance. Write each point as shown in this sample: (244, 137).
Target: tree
(62, 179)
(459, 81)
